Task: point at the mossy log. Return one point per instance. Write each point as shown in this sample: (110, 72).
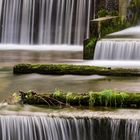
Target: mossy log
(107, 98)
(62, 69)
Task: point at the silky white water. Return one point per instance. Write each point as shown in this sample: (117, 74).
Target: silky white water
(44, 21)
(42, 127)
(122, 45)
(117, 49)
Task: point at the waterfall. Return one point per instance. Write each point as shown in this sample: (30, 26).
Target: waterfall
(57, 128)
(117, 49)
(44, 21)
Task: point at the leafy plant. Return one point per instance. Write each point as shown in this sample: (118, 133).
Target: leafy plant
(102, 13)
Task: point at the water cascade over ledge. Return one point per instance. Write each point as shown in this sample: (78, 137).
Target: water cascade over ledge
(117, 49)
(61, 128)
(122, 45)
(44, 21)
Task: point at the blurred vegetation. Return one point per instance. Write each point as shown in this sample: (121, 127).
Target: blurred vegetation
(134, 10)
(89, 48)
(113, 25)
(104, 13)
(106, 98)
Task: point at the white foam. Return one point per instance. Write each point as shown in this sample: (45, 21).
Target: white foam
(41, 47)
(114, 64)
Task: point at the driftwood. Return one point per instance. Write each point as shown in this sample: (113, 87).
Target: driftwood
(48, 100)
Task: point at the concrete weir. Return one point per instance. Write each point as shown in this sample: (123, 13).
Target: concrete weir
(57, 127)
(117, 49)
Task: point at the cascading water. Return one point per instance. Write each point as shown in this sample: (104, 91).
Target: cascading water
(57, 128)
(123, 45)
(44, 21)
(117, 49)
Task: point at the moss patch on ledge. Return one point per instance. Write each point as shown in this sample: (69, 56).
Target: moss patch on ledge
(61, 69)
(107, 98)
(89, 48)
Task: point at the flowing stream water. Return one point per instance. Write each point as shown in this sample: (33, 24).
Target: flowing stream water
(81, 126)
(55, 128)
(45, 21)
(117, 49)
(122, 45)
(56, 22)
(94, 125)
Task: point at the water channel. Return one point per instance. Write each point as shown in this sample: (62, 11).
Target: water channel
(11, 83)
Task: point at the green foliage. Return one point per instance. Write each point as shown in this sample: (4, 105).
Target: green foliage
(23, 68)
(59, 95)
(72, 98)
(106, 98)
(113, 13)
(104, 13)
(90, 42)
(113, 25)
(89, 47)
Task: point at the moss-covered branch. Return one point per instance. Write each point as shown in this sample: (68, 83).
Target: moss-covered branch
(61, 69)
(107, 98)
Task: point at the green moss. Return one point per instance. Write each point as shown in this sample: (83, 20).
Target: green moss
(109, 98)
(113, 13)
(104, 13)
(24, 68)
(106, 98)
(59, 95)
(61, 69)
(89, 47)
(72, 98)
(113, 25)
